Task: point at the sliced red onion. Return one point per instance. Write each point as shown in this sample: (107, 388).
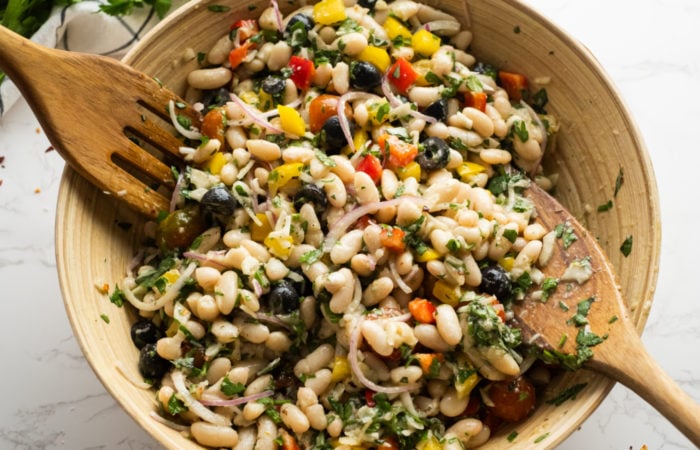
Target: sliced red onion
(194, 405)
(395, 102)
(278, 16)
(255, 116)
(357, 371)
(175, 198)
(239, 400)
(189, 134)
(343, 119)
(397, 278)
(348, 219)
(204, 258)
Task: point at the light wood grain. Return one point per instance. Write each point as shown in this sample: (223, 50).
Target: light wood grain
(621, 355)
(85, 103)
(597, 138)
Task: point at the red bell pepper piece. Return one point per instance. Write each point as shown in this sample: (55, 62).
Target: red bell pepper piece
(238, 54)
(372, 166)
(422, 310)
(400, 153)
(402, 75)
(302, 71)
(475, 100)
(246, 28)
(514, 84)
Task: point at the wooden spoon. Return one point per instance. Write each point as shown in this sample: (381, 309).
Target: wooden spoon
(108, 121)
(552, 324)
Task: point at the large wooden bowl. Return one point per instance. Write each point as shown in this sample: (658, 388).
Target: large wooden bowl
(96, 236)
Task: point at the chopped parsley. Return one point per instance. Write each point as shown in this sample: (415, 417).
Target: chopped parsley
(582, 309)
(626, 247)
(549, 285)
(230, 388)
(117, 296)
(567, 394)
(105, 318)
(566, 233)
(618, 181)
(607, 206)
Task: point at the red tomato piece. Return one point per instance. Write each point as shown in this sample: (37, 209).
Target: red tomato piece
(288, 441)
(422, 310)
(369, 398)
(372, 166)
(246, 28)
(392, 239)
(302, 71)
(400, 153)
(238, 54)
(388, 443)
(402, 75)
(514, 84)
(475, 100)
(323, 108)
(513, 400)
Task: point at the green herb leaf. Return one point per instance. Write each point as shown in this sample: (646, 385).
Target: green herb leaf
(626, 247)
(618, 181)
(567, 394)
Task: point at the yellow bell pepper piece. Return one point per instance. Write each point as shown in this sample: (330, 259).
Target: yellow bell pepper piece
(292, 122)
(394, 28)
(378, 112)
(428, 255)
(430, 443)
(425, 43)
(258, 233)
(507, 263)
(328, 12)
(265, 102)
(215, 163)
(465, 387)
(447, 293)
(411, 170)
(250, 98)
(341, 369)
(282, 175)
(468, 170)
(279, 246)
(377, 56)
(171, 275)
(422, 67)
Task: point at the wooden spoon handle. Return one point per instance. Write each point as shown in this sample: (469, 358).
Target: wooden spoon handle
(631, 365)
(20, 57)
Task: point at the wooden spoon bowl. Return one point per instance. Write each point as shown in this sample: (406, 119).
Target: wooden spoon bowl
(96, 236)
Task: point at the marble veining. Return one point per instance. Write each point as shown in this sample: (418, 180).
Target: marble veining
(51, 399)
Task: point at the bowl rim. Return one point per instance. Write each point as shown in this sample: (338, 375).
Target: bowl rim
(581, 51)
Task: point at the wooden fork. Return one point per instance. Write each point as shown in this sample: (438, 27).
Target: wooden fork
(108, 121)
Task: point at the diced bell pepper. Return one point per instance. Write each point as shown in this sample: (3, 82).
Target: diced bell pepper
(279, 245)
(371, 165)
(258, 233)
(411, 170)
(328, 12)
(394, 28)
(425, 43)
(447, 293)
(428, 254)
(292, 122)
(282, 175)
(377, 56)
(467, 170)
(402, 75)
(216, 163)
(341, 369)
(302, 71)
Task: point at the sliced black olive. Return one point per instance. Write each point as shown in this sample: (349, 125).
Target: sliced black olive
(218, 201)
(307, 21)
(145, 332)
(310, 193)
(215, 97)
(435, 154)
(151, 365)
(369, 4)
(495, 281)
(332, 135)
(283, 297)
(437, 109)
(364, 76)
(273, 85)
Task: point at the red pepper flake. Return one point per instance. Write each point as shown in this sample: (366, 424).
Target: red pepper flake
(2, 159)
(50, 149)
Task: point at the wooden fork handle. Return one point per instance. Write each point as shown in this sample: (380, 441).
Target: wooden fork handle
(631, 365)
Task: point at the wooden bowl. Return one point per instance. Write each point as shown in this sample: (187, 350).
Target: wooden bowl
(96, 237)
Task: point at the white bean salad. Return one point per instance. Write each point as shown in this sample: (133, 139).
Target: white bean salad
(347, 238)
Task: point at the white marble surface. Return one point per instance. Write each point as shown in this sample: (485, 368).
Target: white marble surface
(50, 398)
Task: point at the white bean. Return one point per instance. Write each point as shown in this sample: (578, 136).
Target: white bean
(279, 56)
(447, 324)
(314, 361)
(209, 78)
(347, 246)
(294, 418)
(213, 435)
(263, 149)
